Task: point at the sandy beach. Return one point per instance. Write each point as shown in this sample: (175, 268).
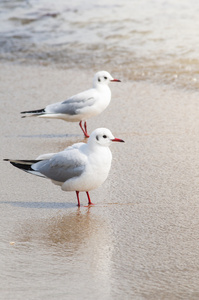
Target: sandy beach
(140, 240)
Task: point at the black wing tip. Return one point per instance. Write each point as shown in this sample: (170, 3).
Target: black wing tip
(38, 111)
(25, 165)
(24, 112)
(22, 163)
(21, 166)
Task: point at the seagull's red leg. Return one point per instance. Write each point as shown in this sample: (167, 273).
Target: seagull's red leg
(77, 193)
(85, 127)
(89, 199)
(84, 131)
(80, 124)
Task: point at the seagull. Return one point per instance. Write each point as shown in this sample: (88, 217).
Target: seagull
(82, 106)
(81, 167)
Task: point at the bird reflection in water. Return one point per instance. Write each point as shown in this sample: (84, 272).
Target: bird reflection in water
(80, 235)
(67, 246)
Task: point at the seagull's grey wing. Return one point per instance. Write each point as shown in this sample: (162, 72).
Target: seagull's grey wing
(63, 165)
(45, 156)
(75, 104)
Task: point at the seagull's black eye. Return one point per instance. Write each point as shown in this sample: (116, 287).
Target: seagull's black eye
(99, 79)
(105, 77)
(97, 138)
(104, 136)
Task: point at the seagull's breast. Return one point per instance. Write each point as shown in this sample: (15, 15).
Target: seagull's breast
(96, 172)
(102, 99)
(98, 168)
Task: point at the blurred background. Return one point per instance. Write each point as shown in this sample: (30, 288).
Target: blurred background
(141, 39)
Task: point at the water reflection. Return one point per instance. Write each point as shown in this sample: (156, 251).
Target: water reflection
(79, 235)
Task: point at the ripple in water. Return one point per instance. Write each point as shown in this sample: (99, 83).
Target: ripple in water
(155, 41)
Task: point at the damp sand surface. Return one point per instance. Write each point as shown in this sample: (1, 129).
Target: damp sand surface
(140, 240)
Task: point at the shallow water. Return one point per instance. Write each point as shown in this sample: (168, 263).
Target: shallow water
(140, 240)
(141, 40)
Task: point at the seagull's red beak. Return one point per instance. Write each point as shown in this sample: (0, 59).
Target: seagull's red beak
(116, 80)
(117, 140)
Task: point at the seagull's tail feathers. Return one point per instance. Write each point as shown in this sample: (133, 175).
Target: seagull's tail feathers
(26, 165)
(34, 113)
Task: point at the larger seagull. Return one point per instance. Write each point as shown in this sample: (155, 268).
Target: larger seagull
(81, 167)
(82, 106)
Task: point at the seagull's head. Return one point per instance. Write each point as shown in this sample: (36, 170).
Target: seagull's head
(102, 137)
(103, 78)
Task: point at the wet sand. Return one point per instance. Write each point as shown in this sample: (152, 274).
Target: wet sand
(140, 240)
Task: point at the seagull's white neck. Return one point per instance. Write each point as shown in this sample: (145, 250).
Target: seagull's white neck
(100, 86)
(95, 147)
(105, 92)
(101, 157)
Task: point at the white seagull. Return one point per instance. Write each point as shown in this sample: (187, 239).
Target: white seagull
(82, 106)
(81, 167)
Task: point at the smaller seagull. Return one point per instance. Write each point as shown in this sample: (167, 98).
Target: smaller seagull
(81, 167)
(82, 106)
